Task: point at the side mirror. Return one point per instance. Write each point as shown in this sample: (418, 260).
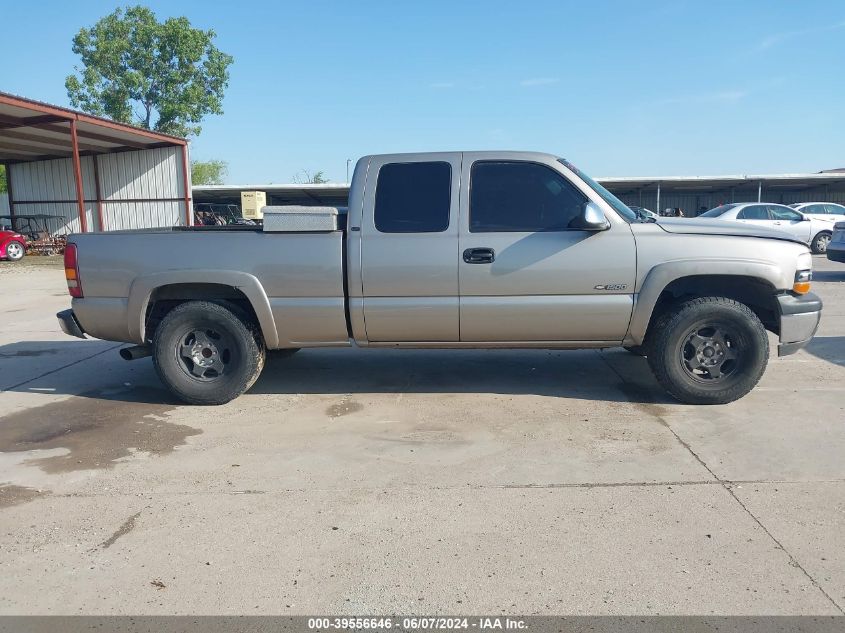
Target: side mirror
(592, 219)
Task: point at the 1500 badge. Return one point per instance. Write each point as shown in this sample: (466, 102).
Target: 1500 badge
(611, 287)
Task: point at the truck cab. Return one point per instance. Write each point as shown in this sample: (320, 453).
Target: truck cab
(505, 259)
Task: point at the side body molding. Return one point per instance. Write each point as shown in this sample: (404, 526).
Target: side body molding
(663, 274)
(143, 287)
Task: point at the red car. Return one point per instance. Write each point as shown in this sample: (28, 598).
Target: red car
(12, 245)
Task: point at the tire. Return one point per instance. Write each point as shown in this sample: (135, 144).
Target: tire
(284, 352)
(15, 251)
(820, 242)
(638, 350)
(709, 350)
(206, 354)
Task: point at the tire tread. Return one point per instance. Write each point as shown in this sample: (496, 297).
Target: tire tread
(659, 344)
(217, 392)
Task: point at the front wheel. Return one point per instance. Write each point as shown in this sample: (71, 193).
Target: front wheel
(206, 354)
(15, 251)
(820, 242)
(710, 350)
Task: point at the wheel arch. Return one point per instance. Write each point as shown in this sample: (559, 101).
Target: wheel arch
(174, 287)
(752, 283)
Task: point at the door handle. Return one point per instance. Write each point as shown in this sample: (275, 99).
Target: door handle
(479, 256)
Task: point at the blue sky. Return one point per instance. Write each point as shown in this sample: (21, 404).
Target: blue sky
(620, 88)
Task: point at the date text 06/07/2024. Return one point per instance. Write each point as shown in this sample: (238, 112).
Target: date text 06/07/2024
(416, 623)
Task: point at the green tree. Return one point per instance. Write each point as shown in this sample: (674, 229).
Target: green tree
(305, 177)
(208, 172)
(165, 76)
(3, 186)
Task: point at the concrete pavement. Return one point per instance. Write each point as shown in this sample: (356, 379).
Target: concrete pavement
(378, 481)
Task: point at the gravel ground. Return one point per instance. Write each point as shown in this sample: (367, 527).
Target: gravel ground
(30, 262)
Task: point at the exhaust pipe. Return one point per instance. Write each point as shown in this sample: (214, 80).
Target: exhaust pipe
(135, 352)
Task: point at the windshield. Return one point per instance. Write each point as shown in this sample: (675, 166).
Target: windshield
(620, 207)
(715, 213)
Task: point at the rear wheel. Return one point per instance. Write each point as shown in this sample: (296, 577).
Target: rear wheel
(205, 354)
(709, 350)
(15, 251)
(820, 242)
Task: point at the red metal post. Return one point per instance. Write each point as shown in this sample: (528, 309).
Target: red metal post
(98, 193)
(11, 196)
(77, 172)
(189, 214)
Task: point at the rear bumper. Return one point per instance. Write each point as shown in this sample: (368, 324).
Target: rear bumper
(799, 320)
(69, 324)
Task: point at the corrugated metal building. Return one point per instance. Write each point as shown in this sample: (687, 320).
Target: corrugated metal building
(92, 174)
(655, 193)
(694, 192)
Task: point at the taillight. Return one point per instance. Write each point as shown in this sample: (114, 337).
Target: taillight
(74, 283)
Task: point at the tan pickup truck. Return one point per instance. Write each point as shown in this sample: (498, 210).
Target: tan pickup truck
(449, 250)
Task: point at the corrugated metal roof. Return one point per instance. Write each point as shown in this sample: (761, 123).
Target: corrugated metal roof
(328, 192)
(32, 130)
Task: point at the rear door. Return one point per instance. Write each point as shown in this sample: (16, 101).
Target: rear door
(814, 210)
(525, 275)
(835, 212)
(409, 248)
(756, 214)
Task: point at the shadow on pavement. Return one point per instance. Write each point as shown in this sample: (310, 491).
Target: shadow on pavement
(579, 374)
(829, 275)
(829, 348)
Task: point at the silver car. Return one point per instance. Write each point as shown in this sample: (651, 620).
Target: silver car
(812, 231)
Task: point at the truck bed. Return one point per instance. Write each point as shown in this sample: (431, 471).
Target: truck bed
(297, 277)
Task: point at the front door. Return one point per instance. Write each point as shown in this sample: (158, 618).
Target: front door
(409, 248)
(525, 274)
(791, 221)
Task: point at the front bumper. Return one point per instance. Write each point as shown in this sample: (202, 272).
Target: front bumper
(69, 324)
(799, 320)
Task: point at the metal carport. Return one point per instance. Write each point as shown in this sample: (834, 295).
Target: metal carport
(94, 173)
(687, 192)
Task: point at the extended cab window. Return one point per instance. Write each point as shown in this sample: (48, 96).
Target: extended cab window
(525, 197)
(413, 197)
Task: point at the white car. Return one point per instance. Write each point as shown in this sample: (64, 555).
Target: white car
(821, 210)
(814, 232)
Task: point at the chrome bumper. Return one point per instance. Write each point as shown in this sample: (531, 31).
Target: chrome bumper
(69, 324)
(799, 320)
